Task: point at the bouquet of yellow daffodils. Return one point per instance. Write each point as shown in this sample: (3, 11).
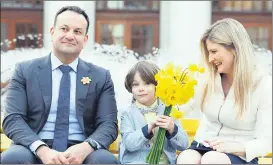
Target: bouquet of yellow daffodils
(175, 86)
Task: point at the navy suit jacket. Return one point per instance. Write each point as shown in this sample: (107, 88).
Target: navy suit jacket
(29, 98)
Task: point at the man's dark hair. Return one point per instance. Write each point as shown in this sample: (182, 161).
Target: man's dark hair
(75, 9)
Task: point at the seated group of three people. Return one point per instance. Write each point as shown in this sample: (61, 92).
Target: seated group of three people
(62, 110)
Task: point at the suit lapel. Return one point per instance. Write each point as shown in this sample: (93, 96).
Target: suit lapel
(82, 89)
(45, 81)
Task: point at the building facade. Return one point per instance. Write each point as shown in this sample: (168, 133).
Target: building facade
(139, 25)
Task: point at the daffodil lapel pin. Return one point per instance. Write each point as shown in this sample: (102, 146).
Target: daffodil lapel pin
(85, 80)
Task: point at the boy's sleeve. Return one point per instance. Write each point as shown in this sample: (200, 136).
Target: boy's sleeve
(132, 139)
(179, 138)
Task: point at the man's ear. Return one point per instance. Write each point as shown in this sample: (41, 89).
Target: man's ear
(52, 30)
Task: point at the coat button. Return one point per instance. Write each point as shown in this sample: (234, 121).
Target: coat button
(176, 138)
(148, 145)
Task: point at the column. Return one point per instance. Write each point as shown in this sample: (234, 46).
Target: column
(51, 8)
(182, 24)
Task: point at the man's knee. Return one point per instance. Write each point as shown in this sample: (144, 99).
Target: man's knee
(18, 154)
(101, 156)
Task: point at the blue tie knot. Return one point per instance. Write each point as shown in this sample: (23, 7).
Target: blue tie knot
(65, 69)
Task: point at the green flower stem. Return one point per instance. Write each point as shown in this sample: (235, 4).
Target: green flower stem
(157, 148)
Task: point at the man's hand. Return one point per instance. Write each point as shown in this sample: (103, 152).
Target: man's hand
(165, 122)
(76, 154)
(227, 146)
(50, 156)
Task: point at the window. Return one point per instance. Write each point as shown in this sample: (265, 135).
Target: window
(269, 6)
(137, 36)
(247, 6)
(130, 23)
(258, 5)
(22, 4)
(142, 38)
(27, 35)
(112, 34)
(133, 5)
(20, 35)
(32, 36)
(259, 36)
(242, 6)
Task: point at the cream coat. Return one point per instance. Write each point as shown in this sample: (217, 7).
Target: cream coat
(254, 129)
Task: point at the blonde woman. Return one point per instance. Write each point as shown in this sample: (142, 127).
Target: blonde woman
(236, 101)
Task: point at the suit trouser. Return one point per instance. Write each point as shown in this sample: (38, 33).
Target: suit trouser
(18, 154)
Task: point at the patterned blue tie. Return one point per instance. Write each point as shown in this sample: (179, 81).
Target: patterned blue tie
(60, 140)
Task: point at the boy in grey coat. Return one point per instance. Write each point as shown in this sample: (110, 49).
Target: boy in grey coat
(140, 122)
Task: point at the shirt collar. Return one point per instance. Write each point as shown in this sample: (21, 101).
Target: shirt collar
(55, 63)
(147, 109)
(142, 106)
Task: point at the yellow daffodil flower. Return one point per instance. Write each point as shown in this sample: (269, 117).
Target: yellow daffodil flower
(176, 114)
(85, 80)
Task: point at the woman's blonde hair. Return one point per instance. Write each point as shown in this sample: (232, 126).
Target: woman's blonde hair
(233, 36)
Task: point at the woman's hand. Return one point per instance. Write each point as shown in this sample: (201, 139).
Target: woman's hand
(165, 122)
(227, 146)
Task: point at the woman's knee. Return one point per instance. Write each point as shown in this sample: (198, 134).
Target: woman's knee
(214, 157)
(189, 157)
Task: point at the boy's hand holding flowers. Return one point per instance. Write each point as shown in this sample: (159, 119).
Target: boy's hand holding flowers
(162, 121)
(165, 122)
(151, 126)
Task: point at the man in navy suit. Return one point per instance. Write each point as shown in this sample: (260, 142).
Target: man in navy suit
(59, 108)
